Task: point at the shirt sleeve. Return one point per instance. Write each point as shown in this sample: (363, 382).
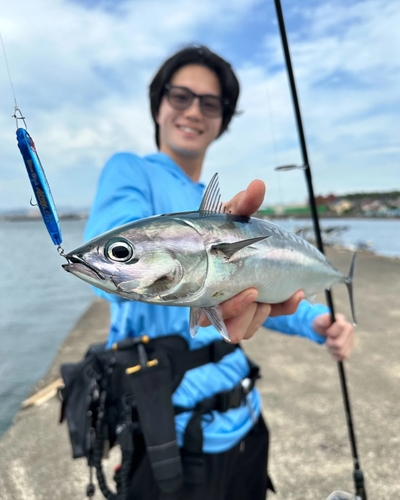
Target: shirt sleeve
(299, 323)
(123, 195)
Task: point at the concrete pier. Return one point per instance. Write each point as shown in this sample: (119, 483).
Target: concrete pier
(310, 451)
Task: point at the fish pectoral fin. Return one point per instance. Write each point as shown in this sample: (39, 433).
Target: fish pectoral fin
(230, 248)
(195, 313)
(215, 316)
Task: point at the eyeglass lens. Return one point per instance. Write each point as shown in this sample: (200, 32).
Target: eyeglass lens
(181, 98)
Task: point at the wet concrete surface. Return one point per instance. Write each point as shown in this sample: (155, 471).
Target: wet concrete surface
(302, 403)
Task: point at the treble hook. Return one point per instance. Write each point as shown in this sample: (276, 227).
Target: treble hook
(32, 204)
(21, 117)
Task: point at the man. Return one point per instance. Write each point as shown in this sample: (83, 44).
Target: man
(193, 98)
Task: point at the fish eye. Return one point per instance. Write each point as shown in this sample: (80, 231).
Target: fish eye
(119, 251)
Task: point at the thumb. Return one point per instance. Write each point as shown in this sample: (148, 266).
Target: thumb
(249, 201)
(321, 323)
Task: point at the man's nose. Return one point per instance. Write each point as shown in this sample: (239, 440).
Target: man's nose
(194, 109)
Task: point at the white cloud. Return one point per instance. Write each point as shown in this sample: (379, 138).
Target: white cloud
(81, 77)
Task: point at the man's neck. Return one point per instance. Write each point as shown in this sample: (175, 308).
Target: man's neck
(192, 166)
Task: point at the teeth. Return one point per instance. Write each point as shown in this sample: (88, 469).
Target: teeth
(189, 130)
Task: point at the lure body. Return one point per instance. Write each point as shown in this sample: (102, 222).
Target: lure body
(40, 185)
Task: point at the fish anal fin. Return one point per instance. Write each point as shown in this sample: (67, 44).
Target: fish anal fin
(215, 316)
(231, 248)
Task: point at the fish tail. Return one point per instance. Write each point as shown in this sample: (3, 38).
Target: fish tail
(349, 283)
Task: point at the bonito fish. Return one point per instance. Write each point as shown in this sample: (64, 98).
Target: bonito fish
(199, 259)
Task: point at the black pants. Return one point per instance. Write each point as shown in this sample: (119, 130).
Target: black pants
(237, 474)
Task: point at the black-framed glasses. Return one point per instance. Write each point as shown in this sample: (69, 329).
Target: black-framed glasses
(181, 98)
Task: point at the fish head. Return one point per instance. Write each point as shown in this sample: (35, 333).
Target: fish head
(151, 263)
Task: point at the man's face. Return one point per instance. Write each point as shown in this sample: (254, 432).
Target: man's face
(188, 133)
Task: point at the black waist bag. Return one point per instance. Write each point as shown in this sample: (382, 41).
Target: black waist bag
(114, 394)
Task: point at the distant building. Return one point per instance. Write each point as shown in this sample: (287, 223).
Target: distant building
(340, 207)
(371, 208)
(325, 200)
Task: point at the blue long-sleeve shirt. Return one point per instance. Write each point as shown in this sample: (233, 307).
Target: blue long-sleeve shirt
(131, 188)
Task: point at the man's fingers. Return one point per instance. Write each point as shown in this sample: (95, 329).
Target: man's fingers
(289, 306)
(249, 201)
(261, 314)
(321, 323)
(341, 353)
(340, 338)
(243, 316)
(245, 325)
(239, 324)
(335, 329)
(234, 306)
(238, 304)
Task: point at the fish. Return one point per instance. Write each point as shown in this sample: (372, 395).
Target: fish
(199, 259)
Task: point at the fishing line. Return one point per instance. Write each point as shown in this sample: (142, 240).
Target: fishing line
(8, 71)
(273, 140)
(36, 174)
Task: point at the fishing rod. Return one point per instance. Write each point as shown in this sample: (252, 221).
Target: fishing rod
(358, 474)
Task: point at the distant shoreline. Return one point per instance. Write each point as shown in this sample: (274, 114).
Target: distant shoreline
(340, 217)
(24, 218)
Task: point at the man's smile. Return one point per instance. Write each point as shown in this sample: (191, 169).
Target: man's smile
(189, 130)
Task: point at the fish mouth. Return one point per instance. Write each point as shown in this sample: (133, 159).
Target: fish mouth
(77, 265)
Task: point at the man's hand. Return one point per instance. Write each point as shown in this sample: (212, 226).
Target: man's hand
(249, 201)
(339, 335)
(242, 314)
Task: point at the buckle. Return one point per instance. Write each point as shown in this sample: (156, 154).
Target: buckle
(247, 385)
(130, 342)
(228, 400)
(144, 361)
(223, 401)
(136, 368)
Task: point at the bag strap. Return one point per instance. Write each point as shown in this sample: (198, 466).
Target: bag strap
(193, 461)
(181, 362)
(226, 400)
(181, 359)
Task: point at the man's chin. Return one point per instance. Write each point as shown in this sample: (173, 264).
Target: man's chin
(184, 151)
(190, 151)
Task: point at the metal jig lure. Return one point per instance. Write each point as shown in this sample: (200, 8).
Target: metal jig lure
(40, 185)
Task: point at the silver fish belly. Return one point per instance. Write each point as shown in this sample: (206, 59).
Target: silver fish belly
(200, 259)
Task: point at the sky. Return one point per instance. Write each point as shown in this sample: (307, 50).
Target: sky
(81, 69)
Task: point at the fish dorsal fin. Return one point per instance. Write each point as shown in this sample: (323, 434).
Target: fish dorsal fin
(211, 202)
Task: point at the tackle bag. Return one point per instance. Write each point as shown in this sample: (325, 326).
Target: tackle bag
(114, 395)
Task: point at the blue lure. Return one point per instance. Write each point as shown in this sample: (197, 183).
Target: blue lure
(35, 171)
(40, 185)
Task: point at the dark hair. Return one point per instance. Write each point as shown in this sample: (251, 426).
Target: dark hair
(196, 54)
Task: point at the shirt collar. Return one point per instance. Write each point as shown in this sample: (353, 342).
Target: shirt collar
(174, 168)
